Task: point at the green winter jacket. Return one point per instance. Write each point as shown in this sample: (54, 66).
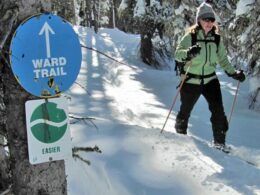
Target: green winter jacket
(205, 62)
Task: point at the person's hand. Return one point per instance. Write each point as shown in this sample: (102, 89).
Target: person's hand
(239, 75)
(179, 67)
(193, 51)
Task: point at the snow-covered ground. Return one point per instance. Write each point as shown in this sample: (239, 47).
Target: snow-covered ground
(130, 102)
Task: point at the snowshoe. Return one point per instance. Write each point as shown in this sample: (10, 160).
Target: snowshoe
(222, 147)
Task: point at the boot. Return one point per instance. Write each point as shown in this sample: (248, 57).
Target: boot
(181, 126)
(219, 141)
(219, 138)
(220, 128)
(181, 131)
(222, 147)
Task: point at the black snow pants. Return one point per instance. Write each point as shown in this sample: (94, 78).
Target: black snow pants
(189, 95)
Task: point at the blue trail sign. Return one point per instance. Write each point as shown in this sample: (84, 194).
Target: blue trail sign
(45, 55)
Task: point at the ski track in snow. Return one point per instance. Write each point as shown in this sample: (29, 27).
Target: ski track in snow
(130, 103)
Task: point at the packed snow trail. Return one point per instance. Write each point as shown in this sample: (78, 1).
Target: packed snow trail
(137, 160)
(130, 104)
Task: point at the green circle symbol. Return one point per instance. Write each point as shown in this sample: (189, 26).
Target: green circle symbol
(48, 123)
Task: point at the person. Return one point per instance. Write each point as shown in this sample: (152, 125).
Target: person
(201, 78)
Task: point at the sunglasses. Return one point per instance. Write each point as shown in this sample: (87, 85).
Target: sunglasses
(209, 20)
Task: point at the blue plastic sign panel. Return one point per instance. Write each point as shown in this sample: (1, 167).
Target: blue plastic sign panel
(45, 55)
(48, 133)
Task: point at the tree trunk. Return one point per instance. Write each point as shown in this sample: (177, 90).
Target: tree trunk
(146, 48)
(46, 178)
(94, 16)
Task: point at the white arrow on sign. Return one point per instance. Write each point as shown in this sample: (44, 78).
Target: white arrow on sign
(46, 29)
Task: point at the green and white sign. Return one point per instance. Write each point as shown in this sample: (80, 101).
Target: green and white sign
(48, 130)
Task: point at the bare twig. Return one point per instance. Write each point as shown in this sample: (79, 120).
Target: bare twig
(13, 14)
(253, 101)
(7, 191)
(90, 48)
(85, 149)
(83, 88)
(4, 58)
(80, 158)
(4, 145)
(84, 119)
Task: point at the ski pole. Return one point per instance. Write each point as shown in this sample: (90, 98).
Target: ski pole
(175, 97)
(233, 104)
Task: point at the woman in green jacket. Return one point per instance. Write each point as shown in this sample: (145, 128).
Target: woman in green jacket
(200, 50)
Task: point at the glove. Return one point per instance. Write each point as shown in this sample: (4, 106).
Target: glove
(193, 51)
(179, 67)
(239, 75)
